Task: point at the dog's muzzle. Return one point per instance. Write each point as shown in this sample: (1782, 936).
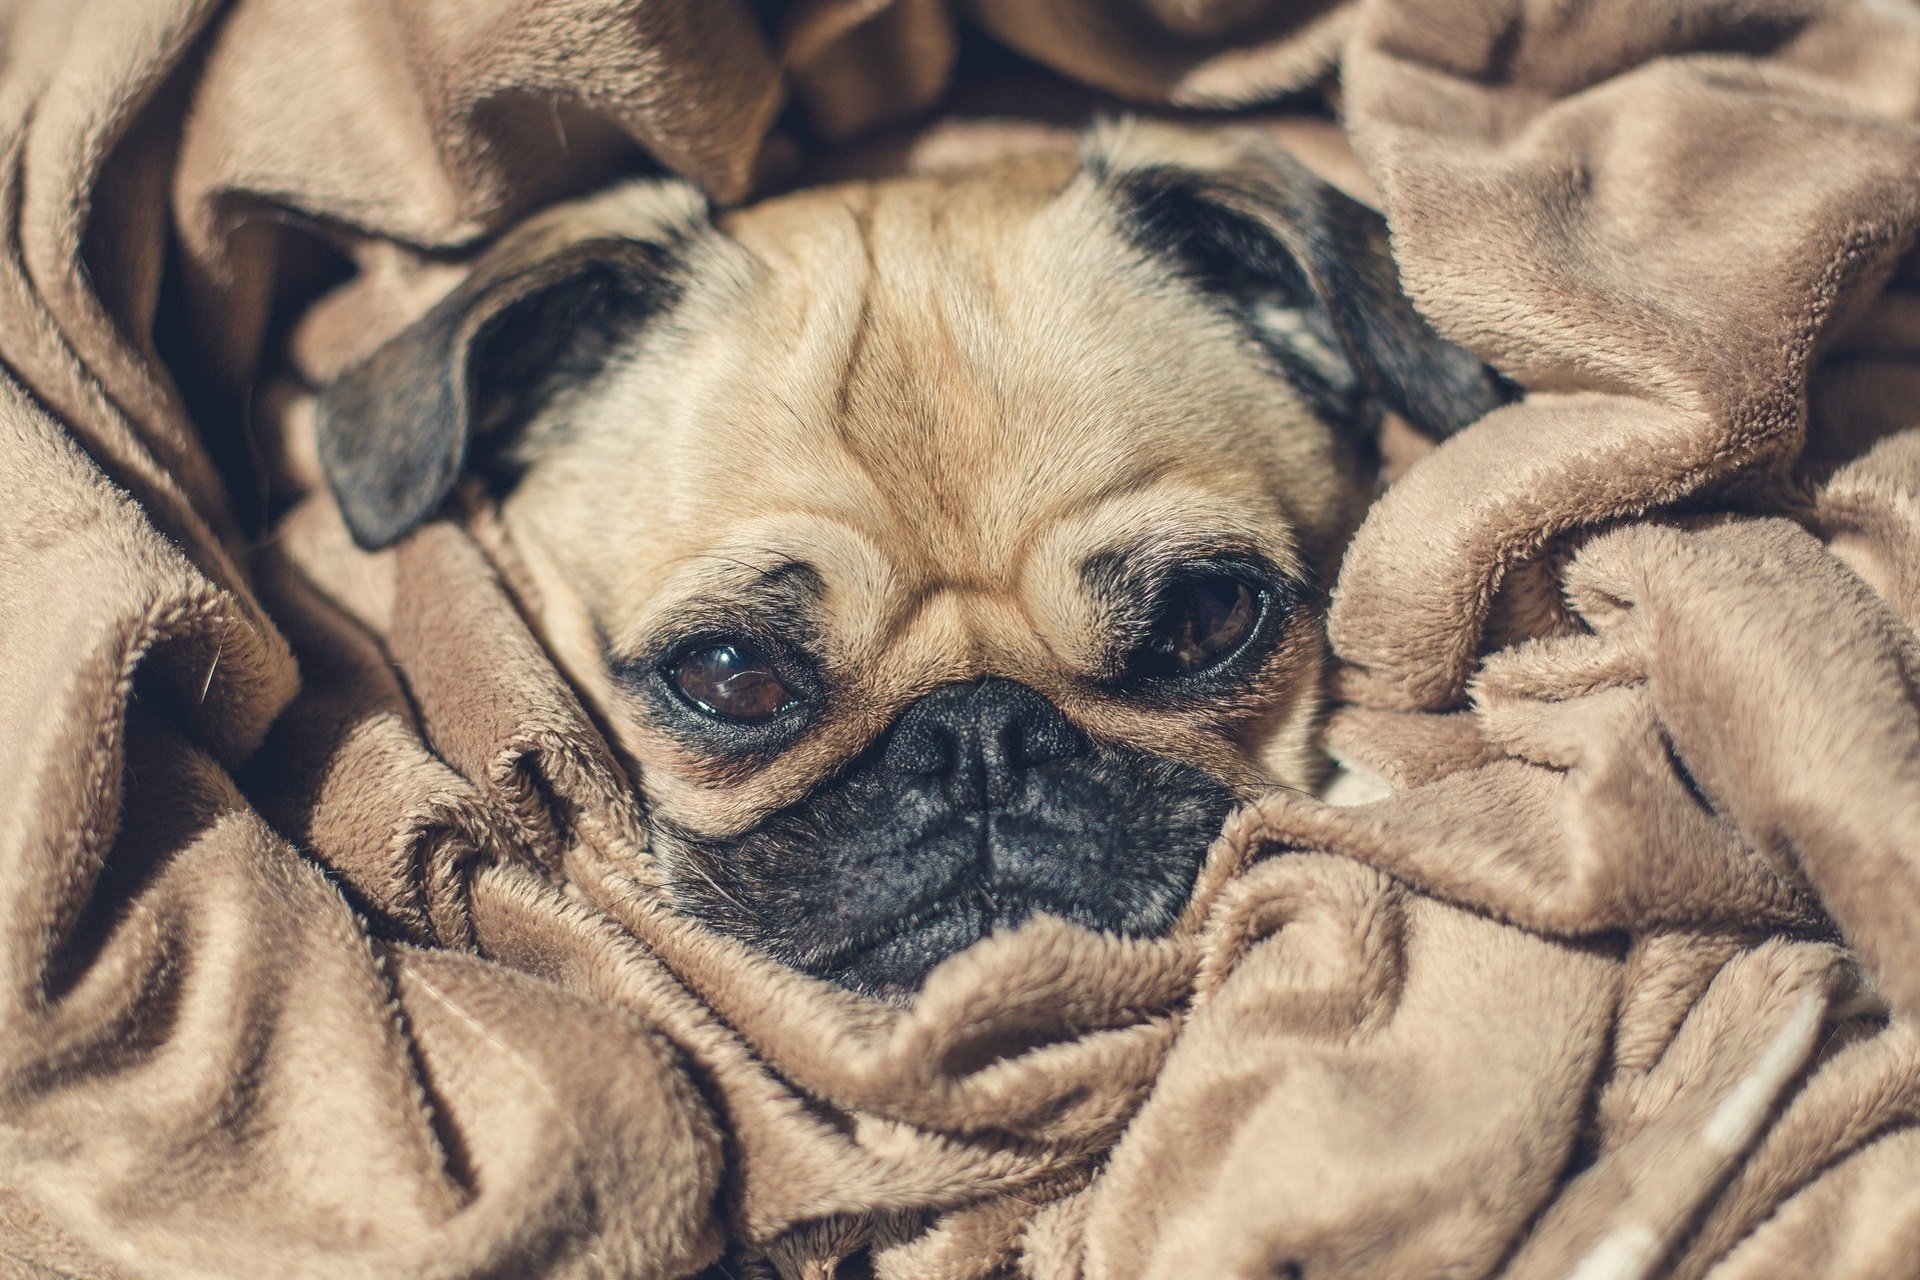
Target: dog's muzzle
(981, 805)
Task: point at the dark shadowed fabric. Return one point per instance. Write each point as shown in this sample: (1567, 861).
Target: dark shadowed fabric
(329, 943)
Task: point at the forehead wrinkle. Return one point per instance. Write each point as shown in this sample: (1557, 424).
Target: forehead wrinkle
(852, 365)
(906, 400)
(861, 212)
(1006, 341)
(988, 367)
(936, 350)
(979, 327)
(784, 418)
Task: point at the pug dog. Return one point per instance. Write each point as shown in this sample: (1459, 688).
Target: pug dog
(939, 549)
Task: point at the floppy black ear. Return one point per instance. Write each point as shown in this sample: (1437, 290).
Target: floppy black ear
(1304, 268)
(542, 306)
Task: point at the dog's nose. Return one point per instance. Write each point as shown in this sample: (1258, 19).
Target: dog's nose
(982, 735)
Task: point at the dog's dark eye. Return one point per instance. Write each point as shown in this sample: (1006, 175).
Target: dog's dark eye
(1198, 622)
(730, 682)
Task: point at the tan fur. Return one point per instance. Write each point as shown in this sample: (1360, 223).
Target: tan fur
(945, 394)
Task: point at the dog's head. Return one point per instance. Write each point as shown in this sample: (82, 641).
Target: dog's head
(941, 549)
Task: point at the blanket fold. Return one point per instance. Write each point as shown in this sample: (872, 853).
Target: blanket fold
(331, 941)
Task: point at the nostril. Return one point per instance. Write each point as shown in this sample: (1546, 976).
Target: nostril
(1044, 739)
(920, 748)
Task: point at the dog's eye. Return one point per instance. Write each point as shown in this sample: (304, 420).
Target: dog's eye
(1198, 622)
(730, 682)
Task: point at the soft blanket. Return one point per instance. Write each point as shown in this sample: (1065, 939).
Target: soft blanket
(328, 940)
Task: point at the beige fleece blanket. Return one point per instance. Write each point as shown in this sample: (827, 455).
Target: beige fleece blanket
(328, 940)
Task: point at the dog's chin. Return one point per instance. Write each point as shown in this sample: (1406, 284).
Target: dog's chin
(894, 963)
(888, 868)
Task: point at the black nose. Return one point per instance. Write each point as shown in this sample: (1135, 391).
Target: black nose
(982, 737)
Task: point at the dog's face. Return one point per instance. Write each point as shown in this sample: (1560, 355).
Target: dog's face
(940, 550)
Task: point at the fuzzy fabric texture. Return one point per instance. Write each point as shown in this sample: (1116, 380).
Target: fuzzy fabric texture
(328, 940)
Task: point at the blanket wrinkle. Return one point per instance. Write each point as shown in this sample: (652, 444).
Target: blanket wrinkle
(399, 829)
(1305, 1049)
(1631, 216)
(1680, 1126)
(330, 944)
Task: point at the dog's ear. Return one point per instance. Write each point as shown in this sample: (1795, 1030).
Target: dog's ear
(1302, 267)
(544, 304)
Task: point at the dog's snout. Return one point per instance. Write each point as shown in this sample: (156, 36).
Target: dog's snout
(985, 733)
(981, 805)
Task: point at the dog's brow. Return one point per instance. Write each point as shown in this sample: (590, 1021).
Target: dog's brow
(1147, 558)
(772, 600)
(1126, 579)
